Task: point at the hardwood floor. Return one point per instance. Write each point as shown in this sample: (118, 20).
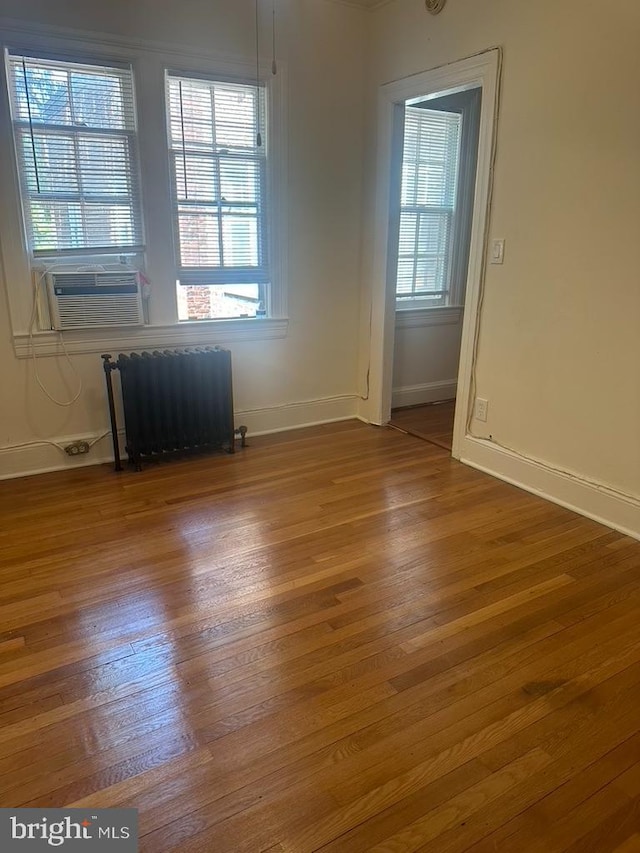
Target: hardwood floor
(338, 639)
(432, 422)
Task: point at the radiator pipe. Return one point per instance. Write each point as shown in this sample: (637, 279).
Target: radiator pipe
(108, 367)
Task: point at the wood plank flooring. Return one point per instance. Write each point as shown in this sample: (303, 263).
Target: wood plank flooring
(433, 422)
(338, 639)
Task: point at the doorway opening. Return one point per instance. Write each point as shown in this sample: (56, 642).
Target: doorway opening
(434, 166)
(431, 236)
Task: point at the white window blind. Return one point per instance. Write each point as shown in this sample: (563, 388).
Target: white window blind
(430, 167)
(75, 138)
(218, 157)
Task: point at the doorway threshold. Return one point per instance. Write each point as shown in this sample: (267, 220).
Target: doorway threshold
(432, 422)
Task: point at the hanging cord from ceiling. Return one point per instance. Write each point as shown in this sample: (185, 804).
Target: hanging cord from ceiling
(274, 61)
(29, 113)
(258, 134)
(184, 143)
(274, 64)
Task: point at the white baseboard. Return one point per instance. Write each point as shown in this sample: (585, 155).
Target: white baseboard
(298, 415)
(598, 502)
(44, 458)
(430, 392)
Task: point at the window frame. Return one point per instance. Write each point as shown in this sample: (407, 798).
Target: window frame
(149, 61)
(74, 132)
(468, 104)
(440, 298)
(265, 209)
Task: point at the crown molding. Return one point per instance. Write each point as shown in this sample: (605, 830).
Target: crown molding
(17, 34)
(365, 5)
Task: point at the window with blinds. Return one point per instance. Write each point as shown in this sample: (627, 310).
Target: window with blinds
(430, 166)
(218, 159)
(75, 138)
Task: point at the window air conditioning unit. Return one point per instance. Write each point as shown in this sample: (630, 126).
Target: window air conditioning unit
(92, 300)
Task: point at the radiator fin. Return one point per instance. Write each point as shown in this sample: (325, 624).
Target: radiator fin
(177, 400)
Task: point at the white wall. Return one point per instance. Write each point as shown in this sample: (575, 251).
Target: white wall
(559, 347)
(425, 359)
(278, 383)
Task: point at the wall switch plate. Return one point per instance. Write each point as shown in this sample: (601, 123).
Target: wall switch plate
(497, 251)
(482, 409)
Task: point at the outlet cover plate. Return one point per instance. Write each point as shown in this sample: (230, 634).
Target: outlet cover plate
(482, 409)
(497, 251)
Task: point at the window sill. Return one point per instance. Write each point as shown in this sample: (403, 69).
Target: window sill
(189, 333)
(412, 318)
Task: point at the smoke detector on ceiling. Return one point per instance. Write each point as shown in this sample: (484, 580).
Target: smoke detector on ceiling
(435, 6)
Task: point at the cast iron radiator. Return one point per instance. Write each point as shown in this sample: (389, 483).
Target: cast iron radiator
(174, 400)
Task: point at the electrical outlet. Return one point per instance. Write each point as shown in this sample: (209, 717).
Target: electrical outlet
(482, 409)
(497, 251)
(77, 448)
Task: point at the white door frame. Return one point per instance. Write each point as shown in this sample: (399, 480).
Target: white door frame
(482, 71)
